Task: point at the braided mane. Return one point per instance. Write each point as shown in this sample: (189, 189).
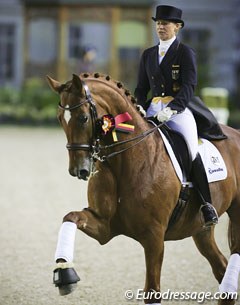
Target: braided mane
(117, 84)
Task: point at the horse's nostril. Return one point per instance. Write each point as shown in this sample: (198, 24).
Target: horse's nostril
(83, 174)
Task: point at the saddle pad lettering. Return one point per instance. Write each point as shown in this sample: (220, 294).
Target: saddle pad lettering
(213, 162)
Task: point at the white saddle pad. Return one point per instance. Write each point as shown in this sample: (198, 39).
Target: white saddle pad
(213, 162)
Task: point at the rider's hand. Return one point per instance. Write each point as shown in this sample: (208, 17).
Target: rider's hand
(165, 114)
(141, 110)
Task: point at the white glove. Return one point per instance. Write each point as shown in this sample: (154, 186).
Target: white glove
(141, 110)
(165, 114)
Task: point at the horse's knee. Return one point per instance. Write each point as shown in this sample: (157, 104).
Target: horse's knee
(91, 223)
(72, 217)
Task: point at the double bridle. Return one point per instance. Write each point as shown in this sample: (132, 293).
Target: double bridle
(95, 148)
(94, 116)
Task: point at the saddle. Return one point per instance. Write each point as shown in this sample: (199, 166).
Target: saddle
(182, 153)
(180, 149)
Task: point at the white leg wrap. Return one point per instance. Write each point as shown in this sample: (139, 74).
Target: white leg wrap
(230, 279)
(154, 304)
(66, 238)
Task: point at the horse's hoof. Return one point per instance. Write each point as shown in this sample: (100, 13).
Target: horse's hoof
(65, 278)
(67, 289)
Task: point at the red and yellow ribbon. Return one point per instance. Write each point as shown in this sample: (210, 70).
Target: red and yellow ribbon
(120, 124)
(117, 123)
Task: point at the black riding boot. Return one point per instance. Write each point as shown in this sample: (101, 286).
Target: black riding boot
(200, 182)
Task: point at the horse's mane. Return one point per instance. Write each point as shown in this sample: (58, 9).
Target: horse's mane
(112, 83)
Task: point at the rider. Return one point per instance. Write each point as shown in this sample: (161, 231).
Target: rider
(169, 71)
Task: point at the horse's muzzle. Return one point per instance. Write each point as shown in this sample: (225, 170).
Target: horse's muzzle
(82, 173)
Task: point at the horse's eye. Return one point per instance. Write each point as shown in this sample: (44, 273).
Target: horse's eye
(83, 118)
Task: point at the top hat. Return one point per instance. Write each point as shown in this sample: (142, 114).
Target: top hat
(167, 12)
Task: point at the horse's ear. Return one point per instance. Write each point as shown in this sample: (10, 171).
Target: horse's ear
(77, 83)
(54, 85)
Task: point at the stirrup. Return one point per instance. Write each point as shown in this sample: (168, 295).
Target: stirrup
(210, 215)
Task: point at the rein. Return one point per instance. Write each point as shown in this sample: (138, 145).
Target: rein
(140, 138)
(95, 148)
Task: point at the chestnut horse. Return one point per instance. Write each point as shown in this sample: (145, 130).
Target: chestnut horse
(133, 188)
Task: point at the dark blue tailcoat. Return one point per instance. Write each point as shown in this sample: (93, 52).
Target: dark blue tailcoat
(176, 76)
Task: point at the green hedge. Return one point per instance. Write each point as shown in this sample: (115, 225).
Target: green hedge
(234, 119)
(34, 104)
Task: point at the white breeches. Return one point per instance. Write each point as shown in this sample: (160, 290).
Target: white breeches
(184, 123)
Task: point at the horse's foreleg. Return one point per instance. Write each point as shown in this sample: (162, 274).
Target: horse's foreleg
(95, 221)
(154, 249)
(91, 223)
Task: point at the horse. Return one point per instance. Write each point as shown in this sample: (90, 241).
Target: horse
(133, 188)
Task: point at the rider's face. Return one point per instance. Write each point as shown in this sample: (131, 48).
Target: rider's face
(166, 29)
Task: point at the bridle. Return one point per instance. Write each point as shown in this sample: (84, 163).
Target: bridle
(93, 112)
(95, 148)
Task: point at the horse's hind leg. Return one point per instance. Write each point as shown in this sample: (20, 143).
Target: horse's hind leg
(234, 227)
(230, 279)
(207, 246)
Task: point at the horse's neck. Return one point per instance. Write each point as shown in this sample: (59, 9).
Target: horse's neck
(142, 164)
(113, 100)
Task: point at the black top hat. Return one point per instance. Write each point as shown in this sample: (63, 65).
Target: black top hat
(167, 12)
